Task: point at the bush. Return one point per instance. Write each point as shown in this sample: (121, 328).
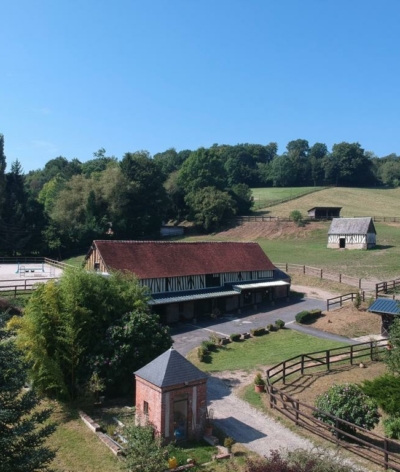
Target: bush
(357, 300)
(297, 217)
(392, 427)
(347, 402)
(208, 346)
(299, 460)
(235, 337)
(271, 328)
(306, 316)
(385, 391)
(201, 353)
(257, 331)
(280, 324)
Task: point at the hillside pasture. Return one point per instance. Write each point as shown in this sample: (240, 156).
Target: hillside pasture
(268, 196)
(354, 201)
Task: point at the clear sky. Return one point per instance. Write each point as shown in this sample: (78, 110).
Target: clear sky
(78, 75)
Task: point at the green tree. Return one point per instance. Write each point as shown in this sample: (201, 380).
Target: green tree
(24, 425)
(70, 325)
(392, 357)
(210, 208)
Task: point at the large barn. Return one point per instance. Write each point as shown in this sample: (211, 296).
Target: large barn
(352, 233)
(189, 280)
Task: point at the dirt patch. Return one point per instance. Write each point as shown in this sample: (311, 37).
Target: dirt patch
(313, 292)
(249, 231)
(348, 321)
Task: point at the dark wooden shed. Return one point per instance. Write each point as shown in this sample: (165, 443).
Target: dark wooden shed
(324, 213)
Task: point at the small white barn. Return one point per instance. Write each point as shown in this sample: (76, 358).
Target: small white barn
(352, 233)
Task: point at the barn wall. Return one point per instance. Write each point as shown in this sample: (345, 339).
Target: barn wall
(353, 241)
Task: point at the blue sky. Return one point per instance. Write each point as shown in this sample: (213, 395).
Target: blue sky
(152, 74)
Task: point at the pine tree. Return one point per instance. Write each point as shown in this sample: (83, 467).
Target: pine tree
(23, 423)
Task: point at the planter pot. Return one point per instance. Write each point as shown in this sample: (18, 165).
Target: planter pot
(259, 388)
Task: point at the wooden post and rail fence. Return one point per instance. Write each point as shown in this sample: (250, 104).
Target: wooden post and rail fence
(378, 449)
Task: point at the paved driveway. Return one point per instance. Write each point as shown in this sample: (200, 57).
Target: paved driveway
(187, 336)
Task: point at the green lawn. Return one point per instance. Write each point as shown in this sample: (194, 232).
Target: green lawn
(75, 261)
(264, 197)
(262, 351)
(354, 202)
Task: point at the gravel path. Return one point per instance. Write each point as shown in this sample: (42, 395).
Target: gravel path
(246, 425)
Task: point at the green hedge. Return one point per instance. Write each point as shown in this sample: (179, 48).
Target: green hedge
(306, 316)
(235, 337)
(258, 331)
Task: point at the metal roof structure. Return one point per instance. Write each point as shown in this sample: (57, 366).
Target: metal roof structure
(169, 369)
(352, 226)
(194, 296)
(276, 283)
(385, 306)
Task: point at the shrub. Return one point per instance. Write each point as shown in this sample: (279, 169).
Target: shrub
(214, 338)
(357, 300)
(258, 380)
(299, 460)
(208, 346)
(347, 402)
(257, 331)
(235, 337)
(307, 316)
(297, 217)
(271, 327)
(201, 353)
(392, 427)
(229, 442)
(385, 391)
(279, 324)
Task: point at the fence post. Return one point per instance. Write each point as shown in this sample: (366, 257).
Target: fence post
(15, 291)
(363, 295)
(327, 305)
(337, 430)
(302, 364)
(370, 350)
(386, 455)
(284, 373)
(304, 269)
(297, 412)
(321, 275)
(271, 403)
(359, 284)
(340, 278)
(327, 360)
(287, 267)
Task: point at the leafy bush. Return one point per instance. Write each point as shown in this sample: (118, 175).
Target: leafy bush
(279, 324)
(357, 300)
(208, 346)
(271, 328)
(257, 331)
(347, 402)
(392, 427)
(214, 338)
(235, 337)
(299, 460)
(201, 353)
(385, 391)
(297, 217)
(306, 316)
(229, 442)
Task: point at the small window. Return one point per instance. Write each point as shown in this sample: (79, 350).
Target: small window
(97, 266)
(145, 408)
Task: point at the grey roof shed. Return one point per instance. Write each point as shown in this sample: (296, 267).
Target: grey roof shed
(352, 226)
(171, 368)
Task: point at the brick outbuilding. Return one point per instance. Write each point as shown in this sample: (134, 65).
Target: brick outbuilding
(171, 393)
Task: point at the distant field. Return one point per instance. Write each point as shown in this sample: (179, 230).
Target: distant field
(354, 201)
(270, 195)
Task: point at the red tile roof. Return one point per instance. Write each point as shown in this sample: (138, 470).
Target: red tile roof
(152, 259)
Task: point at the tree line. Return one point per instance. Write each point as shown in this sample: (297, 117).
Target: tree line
(67, 203)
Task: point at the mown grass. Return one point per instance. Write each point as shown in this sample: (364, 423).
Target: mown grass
(78, 448)
(76, 261)
(354, 201)
(309, 248)
(271, 195)
(262, 351)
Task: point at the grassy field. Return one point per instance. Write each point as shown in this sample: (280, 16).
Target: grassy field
(270, 195)
(309, 248)
(354, 201)
(261, 351)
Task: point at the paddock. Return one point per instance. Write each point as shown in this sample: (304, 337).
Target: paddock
(23, 276)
